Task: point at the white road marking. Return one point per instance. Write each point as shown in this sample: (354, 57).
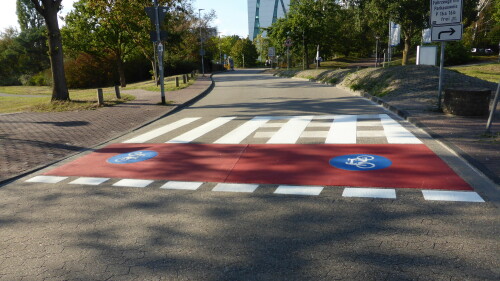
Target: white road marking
(342, 130)
(133, 183)
(239, 134)
(160, 131)
(458, 196)
(235, 187)
(369, 124)
(46, 179)
(291, 130)
(201, 130)
(299, 190)
(183, 185)
(396, 133)
(89, 181)
(369, 193)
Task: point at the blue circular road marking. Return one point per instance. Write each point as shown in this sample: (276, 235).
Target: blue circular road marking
(132, 157)
(360, 162)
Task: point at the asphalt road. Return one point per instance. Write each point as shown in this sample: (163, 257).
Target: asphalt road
(71, 230)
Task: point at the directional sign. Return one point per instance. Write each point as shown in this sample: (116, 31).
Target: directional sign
(447, 32)
(153, 36)
(446, 12)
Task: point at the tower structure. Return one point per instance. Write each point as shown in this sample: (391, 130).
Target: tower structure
(263, 13)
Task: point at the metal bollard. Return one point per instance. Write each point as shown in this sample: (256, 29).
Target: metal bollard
(184, 78)
(177, 81)
(117, 92)
(187, 77)
(100, 97)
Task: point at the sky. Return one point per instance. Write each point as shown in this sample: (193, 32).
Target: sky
(232, 16)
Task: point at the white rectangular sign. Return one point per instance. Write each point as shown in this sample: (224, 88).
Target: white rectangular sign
(446, 12)
(447, 32)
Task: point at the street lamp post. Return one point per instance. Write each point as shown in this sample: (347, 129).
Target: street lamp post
(202, 53)
(220, 50)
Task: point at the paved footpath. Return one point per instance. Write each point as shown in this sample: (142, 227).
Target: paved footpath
(30, 140)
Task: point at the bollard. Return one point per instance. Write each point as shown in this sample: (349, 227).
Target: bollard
(117, 92)
(100, 97)
(184, 78)
(192, 74)
(177, 81)
(187, 77)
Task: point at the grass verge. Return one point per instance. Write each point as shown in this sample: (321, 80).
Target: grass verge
(489, 72)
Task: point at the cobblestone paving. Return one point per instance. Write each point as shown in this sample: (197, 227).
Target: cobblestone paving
(28, 140)
(66, 232)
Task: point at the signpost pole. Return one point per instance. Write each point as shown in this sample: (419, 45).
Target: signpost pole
(288, 57)
(493, 109)
(441, 78)
(160, 54)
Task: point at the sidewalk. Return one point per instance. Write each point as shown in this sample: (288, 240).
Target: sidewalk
(32, 140)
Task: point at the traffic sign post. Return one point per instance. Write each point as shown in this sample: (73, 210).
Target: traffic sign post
(157, 15)
(271, 52)
(288, 44)
(446, 18)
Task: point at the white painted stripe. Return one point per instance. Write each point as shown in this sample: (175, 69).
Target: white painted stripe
(89, 181)
(183, 185)
(370, 134)
(239, 134)
(458, 196)
(396, 133)
(160, 131)
(314, 134)
(201, 130)
(235, 187)
(299, 190)
(343, 130)
(272, 125)
(133, 183)
(291, 130)
(369, 193)
(46, 179)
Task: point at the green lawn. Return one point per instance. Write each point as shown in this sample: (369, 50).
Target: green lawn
(81, 99)
(489, 72)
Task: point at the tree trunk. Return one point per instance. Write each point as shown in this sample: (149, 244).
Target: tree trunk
(121, 72)
(59, 87)
(306, 50)
(406, 49)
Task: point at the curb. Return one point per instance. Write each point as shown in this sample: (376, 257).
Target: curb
(413, 120)
(173, 110)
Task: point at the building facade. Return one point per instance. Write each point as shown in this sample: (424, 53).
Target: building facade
(263, 13)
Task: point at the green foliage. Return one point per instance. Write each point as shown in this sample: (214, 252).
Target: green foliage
(27, 16)
(244, 48)
(456, 53)
(88, 71)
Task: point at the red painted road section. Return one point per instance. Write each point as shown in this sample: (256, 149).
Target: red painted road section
(413, 166)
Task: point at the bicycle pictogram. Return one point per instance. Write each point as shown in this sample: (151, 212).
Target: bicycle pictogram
(362, 162)
(132, 157)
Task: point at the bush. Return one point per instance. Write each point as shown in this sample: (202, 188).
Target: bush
(456, 53)
(87, 71)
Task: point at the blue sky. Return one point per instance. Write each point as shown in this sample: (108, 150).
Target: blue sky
(232, 16)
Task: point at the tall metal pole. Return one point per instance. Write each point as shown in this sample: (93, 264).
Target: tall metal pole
(201, 42)
(160, 54)
(493, 109)
(287, 57)
(441, 78)
(220, 50)
(376, 51)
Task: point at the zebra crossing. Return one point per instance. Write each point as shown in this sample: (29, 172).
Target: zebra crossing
(327, 129)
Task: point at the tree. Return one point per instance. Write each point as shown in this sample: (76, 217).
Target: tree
(49, 9)
(244, 49)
